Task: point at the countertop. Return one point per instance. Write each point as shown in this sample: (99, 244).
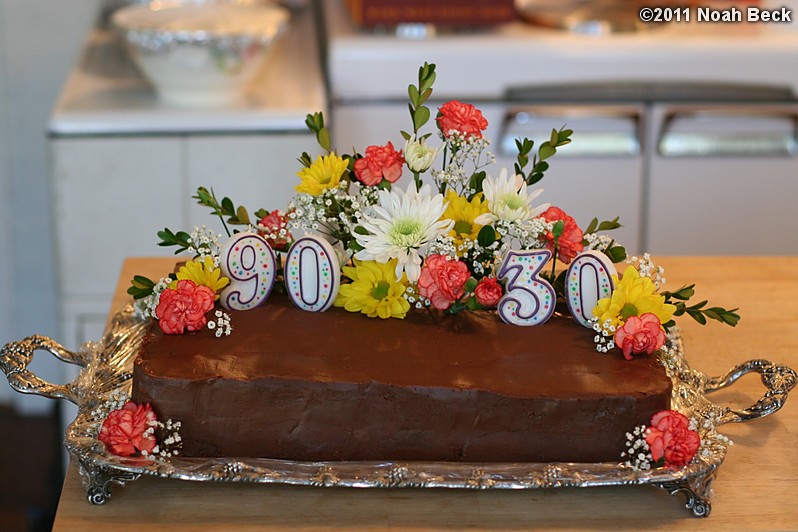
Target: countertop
(756, 487)
(105, 94)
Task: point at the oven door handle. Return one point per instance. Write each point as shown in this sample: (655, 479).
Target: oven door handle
(743, 130)
(599, 130)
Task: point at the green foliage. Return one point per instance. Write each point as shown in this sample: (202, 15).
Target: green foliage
(170, 238)
(546, 150)
(475, 183)
(615, 252)
(235, 215)
(698, 311)
(315, 123)
(418, 95)
(486, 236)
(140, 287)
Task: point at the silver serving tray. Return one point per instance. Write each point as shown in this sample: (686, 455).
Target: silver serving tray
(107, 370)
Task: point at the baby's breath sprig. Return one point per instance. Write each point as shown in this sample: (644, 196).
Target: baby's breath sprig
(221, 326)
(637, 453)
(170, 439)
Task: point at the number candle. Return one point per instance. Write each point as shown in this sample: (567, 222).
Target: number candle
(312, 274)
(529, 300)
(589, 278)
(248, 260)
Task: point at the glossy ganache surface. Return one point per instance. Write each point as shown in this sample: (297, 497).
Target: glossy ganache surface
(295, 385)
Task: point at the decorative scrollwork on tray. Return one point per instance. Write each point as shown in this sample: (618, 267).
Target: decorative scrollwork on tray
(697, 491)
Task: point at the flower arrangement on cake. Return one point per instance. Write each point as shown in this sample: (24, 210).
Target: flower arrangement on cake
(456, 236)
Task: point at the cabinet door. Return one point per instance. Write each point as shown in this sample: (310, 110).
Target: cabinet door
(724, 180)
(254, 171)
(110, 197)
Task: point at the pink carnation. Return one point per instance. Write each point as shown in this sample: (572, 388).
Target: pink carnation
(670, 439)
(569, 244)
(184, 307)
(461, 117)
(123, 431)
(380, 162)
(442, 280)
(488, 292)
(638, 335)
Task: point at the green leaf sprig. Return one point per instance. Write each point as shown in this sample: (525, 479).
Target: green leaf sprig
(225, 208)
(419, 94)
(615, 252)
(181, 239)
(315, 123)
(546, 150)
(698, 311)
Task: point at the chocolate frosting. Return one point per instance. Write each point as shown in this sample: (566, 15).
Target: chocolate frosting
(340, 386)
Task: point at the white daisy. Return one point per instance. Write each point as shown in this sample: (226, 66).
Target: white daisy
(401, 227)
(509, 199)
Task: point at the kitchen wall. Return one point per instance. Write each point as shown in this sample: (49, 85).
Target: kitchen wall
(39, 42)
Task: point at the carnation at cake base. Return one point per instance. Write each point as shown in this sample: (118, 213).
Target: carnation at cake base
(333, 386)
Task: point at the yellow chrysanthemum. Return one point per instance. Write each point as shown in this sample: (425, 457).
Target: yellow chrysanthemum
(202, 273)
(633, 296)
(463, 213)
(374, 290)
(322, 175)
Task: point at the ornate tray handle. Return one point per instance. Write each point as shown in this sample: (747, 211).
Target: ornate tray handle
(778, 380)
(16, 356)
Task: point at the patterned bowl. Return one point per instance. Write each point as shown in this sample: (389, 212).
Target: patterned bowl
(199, 54)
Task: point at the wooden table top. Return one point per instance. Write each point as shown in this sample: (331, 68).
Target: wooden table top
(756, 487)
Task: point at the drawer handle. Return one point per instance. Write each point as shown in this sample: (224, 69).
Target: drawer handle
(778, 139)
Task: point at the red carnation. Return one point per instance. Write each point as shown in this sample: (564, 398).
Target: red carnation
(461, 117)
(671, 440)
(271, 225)
(442, 280)
(570, 242)
(488, 292)
(380, 162)
(124, 431)
(184, 307)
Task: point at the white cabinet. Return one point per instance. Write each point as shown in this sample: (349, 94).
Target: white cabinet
(111, 195)
(256, 171)
(124, 165)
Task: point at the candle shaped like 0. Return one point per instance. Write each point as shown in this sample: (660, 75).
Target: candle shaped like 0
(528, 300)
(249, 262)
(312, 274)
(589, 278)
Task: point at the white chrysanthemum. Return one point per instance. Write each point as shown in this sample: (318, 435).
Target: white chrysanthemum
(401, 227)
(509, 199)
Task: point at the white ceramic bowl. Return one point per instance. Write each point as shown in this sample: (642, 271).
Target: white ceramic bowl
(201, 54)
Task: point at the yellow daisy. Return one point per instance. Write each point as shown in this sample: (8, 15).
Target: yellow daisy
(202, 273)
(463, 213)
(322, 175)
(633, 296)
(374, 290)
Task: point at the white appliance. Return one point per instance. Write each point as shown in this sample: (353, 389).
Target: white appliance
(687, 132)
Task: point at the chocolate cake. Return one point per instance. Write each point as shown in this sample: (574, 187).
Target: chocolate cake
(295, 385)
